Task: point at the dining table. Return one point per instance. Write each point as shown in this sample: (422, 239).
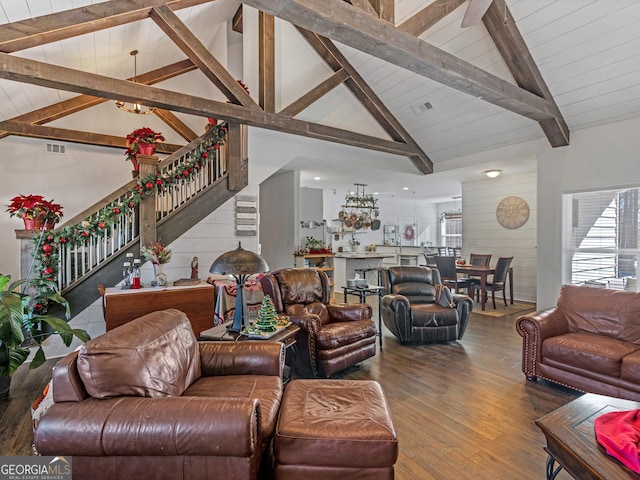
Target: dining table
(483, 272)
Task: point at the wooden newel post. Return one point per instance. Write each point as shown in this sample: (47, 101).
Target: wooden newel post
(237, 153)
(26, 250)
(147, 211)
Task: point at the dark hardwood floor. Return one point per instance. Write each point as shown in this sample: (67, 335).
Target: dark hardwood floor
(462, 410)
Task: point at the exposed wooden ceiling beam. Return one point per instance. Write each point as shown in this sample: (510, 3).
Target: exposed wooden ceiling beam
(367, 97)
(52, 76)
(386, 9)
(364, 5)
(62, 134)
(176, 124)
(178, 32)
(266, 62)
(506, 35)
(430, 15)
(315, 93)
(82, 102)
(78, 21)
(339, 21)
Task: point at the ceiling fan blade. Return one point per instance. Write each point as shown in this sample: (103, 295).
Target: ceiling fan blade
(475, 12)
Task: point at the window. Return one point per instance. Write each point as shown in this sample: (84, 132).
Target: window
(451, 229)
(601, 238)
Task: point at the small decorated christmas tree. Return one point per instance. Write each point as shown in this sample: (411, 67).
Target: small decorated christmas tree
(267, 316)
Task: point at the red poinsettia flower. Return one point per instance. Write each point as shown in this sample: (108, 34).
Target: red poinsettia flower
(141, 135)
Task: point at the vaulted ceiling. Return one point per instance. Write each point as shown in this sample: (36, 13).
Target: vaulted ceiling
(531, 70)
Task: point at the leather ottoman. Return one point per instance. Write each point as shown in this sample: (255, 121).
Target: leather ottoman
(333, 430)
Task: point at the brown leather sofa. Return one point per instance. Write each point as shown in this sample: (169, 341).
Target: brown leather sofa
(589, 342)
(333, 336)
(147, 401)
(410, 311)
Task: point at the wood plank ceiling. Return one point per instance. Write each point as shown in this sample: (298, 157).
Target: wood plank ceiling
(560, 64)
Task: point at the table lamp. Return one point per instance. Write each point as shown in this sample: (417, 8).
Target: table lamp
(240, 264)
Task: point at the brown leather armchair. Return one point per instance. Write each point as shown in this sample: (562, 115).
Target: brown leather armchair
(332, 337)
(147, 401)
(410, 311)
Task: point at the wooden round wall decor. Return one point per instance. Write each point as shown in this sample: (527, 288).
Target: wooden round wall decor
(512, 212)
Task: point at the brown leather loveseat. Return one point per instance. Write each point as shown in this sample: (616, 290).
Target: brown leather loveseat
(590, 341)
(146, 400)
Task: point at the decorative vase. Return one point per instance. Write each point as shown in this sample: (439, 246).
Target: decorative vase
(146, 148)
(161, 277)
(35, 223)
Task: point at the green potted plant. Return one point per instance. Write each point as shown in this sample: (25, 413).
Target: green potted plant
(35, 211)
(24, 319)
(142, 141)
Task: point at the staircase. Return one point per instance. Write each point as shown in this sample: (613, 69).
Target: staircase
(178, 205)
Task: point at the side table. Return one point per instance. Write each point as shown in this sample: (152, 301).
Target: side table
(362, 293)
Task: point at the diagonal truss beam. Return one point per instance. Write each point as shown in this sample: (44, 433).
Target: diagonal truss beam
(52, 76)
(191, 46)
(430, 15)
(315, 93)
(78, 21)
(341, 22)
(506, 35)
(367, 97)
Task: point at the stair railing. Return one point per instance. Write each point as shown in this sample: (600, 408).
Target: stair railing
(98, 234)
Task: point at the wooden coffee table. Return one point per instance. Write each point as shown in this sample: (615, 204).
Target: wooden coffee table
(571, 439)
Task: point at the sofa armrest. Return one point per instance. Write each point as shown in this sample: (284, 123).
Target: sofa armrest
(534, 329)
(129, 426)
(242, 358)
(347, 312)
(68, 386)
(396, 314)
(464, 306)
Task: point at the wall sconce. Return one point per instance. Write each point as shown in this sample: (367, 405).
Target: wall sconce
(493, 173)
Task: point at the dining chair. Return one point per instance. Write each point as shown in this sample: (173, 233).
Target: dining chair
(498, 280)
(430, 258)
(447, 267)
(444, 251)
(479, 259)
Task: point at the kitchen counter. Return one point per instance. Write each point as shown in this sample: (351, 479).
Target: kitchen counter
(345, 265)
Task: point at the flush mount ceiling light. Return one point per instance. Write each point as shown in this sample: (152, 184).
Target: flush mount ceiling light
(135, 107)
(493, 173)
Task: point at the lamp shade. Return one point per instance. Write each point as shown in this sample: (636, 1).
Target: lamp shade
(239, 262)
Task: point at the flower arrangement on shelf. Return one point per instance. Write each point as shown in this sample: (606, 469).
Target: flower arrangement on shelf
(313, 245)
(47, 254)
(35, 210)
(156, 253)
(139, 140)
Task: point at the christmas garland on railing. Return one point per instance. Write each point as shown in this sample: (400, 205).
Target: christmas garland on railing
(47, 253)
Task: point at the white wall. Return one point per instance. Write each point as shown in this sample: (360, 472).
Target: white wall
(481, 232)
(279, 218)
(598, 158)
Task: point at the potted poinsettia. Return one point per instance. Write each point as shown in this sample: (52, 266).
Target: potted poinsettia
(35, 211)
(142, 141)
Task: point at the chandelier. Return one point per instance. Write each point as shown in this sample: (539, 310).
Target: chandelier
(360, 210)
(135, 107)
